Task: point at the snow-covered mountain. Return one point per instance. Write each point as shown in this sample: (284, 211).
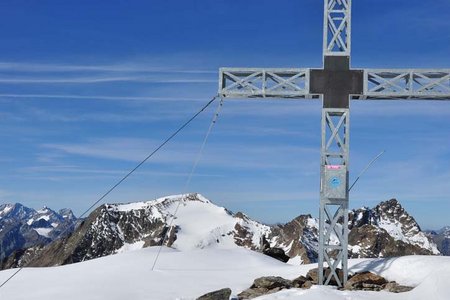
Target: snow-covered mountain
(116, 228)
(442, 239)
(22, 227)
(383, 231)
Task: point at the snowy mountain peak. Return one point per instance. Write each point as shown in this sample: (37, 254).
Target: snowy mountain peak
(22, 227)
(394, 222)
(15, 211)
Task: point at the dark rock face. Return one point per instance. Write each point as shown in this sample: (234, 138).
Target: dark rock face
(223, 294)
(276, 253)
(22, 227)
(376, 242)
(386, 230)
(298, 238)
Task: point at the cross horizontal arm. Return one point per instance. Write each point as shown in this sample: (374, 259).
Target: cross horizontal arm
(432, 84)
(264, 83)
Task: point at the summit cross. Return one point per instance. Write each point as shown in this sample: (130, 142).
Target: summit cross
(336, 84)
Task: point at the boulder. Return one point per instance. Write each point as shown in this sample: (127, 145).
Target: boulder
(299, 281)
(272, 282)
(223, 294)
(365, 281)
(265, 285)
(394, 287)
(307, 285)
(313, 276)
(253, 293)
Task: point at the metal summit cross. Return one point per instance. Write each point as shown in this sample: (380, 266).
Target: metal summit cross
(337, 84)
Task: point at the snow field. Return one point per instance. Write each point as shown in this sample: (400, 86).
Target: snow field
(186, 275)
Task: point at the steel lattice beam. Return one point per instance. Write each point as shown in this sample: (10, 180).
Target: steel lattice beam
(406, 84)
(264, 83)
(337, 25)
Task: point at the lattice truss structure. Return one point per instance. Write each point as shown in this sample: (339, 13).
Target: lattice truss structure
(382, 84)
(334, 198)
(406, 84)
(336, 84)
(336, 39)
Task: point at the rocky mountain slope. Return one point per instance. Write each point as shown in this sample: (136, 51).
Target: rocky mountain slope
(22, 227)
(442, 239)
(385, 230)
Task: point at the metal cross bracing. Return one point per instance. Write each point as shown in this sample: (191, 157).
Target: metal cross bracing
(335, 84)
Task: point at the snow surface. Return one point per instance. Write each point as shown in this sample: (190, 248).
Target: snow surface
(188, 274)
(43, 231)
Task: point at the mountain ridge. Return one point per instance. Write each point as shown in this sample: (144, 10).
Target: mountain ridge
(385, 230)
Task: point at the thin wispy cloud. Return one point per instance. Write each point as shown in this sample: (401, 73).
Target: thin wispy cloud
(98, 97)
(101, 79)
(219, 155)
(124, 67)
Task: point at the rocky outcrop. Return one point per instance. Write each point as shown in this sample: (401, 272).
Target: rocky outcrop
(223, 294)
(386, 230)
(298, 238)
(265, 285)
(367, 281)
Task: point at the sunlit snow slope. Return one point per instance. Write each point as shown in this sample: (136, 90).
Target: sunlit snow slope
(189, 274)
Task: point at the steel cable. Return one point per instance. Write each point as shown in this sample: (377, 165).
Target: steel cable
(188, 180)
(124, 178)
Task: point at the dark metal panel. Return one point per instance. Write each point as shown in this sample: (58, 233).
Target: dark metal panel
(336, 82)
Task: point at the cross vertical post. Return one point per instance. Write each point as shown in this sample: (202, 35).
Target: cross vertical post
(333, 236)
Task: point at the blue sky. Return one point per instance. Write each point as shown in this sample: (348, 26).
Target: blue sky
(89, 88)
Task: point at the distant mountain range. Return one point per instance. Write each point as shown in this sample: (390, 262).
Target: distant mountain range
(442, 239)
(383, 231)
(22, 227)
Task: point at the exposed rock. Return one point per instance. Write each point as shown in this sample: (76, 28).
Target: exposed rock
(299, 281)
(265, 285)
(307, 285)
(298, 238)
(394, 287)
(223, 294)
(277, 253)
(387, 230)
(365, 281)
(372, 241)
(271, 282)
(253, 293)
(313, 276)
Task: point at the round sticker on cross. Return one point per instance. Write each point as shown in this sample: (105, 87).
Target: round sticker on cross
(335, 182)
